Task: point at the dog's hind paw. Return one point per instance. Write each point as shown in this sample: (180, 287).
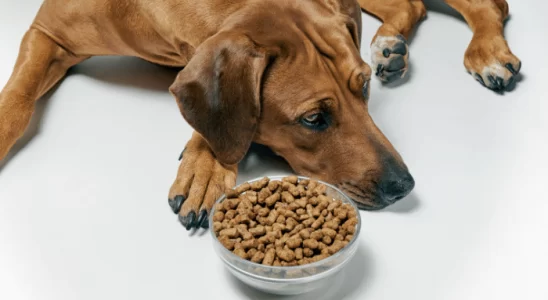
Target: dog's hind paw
(389, 57)
(200, 181)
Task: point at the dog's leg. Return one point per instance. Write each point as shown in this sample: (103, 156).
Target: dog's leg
(389, 49)
(488, 57)
(200, 181)
(40, 64)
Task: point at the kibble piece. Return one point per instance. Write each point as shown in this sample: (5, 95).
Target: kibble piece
(257, 231)
(217, 226)
(272, 216)
(241, 253)
(349, 237)
(329, 232)
(230, 233)
(274, 185)
(334, 205)
(299, 253)
(244, 203)
(242, 188)
(258, 185)
(278, 226)
(248, 244)
(290, 223)
(291, 179)
(323, 202)
(301, 190)
(320, 189)
(280, 219)
(294, 242)
(269, 257)
(308, 222)
(218, 216)
(308, 252)
(321, 246)
(304, 217)
(304, 182)
(340, 213)
(317, 258)
(316, 212)
(333, 224)
(231, 203)
(335, 247)
(263, 194)
(305, 234)
(319, 221)
(258, 257)
(285, 254)
(230, 214)
(287, 197)
(251, 252)
(350, 223)
(242, 231)
(227, 243)
(220, 207)
(351, 214)
(272, 199)
(231, 193)
(339, 237)
(261, 247)
(327, 240)
(297, 229)
(277, 263)
(302, 203)
(310, 243)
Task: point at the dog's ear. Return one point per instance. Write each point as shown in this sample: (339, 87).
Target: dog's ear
(218, 93)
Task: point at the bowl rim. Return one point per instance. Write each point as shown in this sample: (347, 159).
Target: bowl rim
(339, 253)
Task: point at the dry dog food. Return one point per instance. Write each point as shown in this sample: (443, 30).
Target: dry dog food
(283, 223)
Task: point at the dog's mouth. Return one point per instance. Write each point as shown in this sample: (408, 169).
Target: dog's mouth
(366, 199)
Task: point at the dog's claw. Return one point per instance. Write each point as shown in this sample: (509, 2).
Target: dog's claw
(189, 220)
(500, 83)
(380, 68)
(176, 203)
(202, 220)
(493, 81)
(479, 79)
(182, 152)
(511, 68)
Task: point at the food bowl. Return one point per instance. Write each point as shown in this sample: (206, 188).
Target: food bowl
(291, 280)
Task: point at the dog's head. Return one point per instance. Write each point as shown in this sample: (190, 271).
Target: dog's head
(292, 78)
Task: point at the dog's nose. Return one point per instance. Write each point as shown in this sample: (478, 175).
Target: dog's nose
(395, 186)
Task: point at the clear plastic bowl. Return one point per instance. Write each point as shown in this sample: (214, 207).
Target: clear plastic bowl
(289, 280)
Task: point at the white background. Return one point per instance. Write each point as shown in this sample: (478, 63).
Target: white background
(83, 202)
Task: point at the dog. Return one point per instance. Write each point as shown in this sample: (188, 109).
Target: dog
(286, 74)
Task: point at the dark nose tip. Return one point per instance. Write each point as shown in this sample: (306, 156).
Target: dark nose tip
(397, 185)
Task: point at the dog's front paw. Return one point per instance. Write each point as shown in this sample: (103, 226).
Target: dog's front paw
(200, 181)
(492, 63)
(389, 57)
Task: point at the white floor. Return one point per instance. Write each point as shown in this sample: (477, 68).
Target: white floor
(83, 204)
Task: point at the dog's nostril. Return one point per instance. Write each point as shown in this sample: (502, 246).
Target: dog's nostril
(397, 187)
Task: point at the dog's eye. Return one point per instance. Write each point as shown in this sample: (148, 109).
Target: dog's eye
(316, 121)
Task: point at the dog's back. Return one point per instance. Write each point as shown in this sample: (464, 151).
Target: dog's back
(165, 32)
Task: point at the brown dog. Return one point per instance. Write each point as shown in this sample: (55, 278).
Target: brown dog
(283, 73)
